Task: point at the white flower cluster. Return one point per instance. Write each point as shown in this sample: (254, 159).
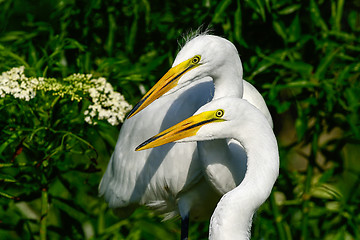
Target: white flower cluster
(15, 83)
(106, 103)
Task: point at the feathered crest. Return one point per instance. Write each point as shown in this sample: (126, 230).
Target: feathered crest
(190, 35)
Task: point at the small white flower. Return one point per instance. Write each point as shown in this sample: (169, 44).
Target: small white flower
(113, 121)
(92, 113)
(142, 89)
(88, 119)
(106, 103)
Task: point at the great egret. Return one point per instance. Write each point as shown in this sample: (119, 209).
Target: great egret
(232, 118)
(171, 178)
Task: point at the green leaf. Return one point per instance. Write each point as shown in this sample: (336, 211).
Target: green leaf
(302, 68)
(326, 176)
(339, 13)
(8, 179)
(259, 7)
(10, 140)
(294, 30)
(5, 195)
(262, 66)
(316, 16)
(238, 26)
(324, 64)
(280, 29)
(219, 11)
(352, 20)
(71, 208)
(289, 9)
(301, 126)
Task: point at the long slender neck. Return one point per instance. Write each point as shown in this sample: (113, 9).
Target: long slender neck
(232, 217)
(228, 79)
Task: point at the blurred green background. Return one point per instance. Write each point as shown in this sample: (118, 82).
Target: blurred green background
(303, 56)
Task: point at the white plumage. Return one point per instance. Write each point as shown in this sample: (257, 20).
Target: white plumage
(240, 120)
(176, 178)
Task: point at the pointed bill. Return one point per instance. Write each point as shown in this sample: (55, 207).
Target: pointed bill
(187, 128)
(167, 82)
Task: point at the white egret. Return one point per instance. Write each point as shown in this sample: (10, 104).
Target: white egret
(232, 118)
(171, 178)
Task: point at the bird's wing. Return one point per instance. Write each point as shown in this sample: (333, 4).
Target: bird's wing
(160, 173)
(252, 95)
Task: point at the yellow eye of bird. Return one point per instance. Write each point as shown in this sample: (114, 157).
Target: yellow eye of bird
(196, 59)
(219, 113)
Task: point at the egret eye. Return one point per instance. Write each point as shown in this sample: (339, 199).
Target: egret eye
(196, 59)
(219, 113)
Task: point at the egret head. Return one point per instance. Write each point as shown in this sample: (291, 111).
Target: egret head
(202, 56)
(212, 121)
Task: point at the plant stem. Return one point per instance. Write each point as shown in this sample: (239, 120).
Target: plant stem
(309, 174)
(339, 12)
(44, 213)
(101, 219)
(306, 198)
(278, 217)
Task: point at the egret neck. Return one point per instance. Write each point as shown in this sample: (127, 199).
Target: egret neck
(233, 215)
(228, 78)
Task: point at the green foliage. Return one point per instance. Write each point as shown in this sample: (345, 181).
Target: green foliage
(303, 56)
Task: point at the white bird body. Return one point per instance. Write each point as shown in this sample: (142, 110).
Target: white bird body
(177, 178)
(232, 217)
(157, 177)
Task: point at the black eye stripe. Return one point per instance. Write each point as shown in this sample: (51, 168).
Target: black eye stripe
(177, 76)
(149, 141)
(198, 124)
(139, 104)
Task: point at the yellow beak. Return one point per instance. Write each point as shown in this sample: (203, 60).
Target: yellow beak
(167, 82)
(188, 127)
